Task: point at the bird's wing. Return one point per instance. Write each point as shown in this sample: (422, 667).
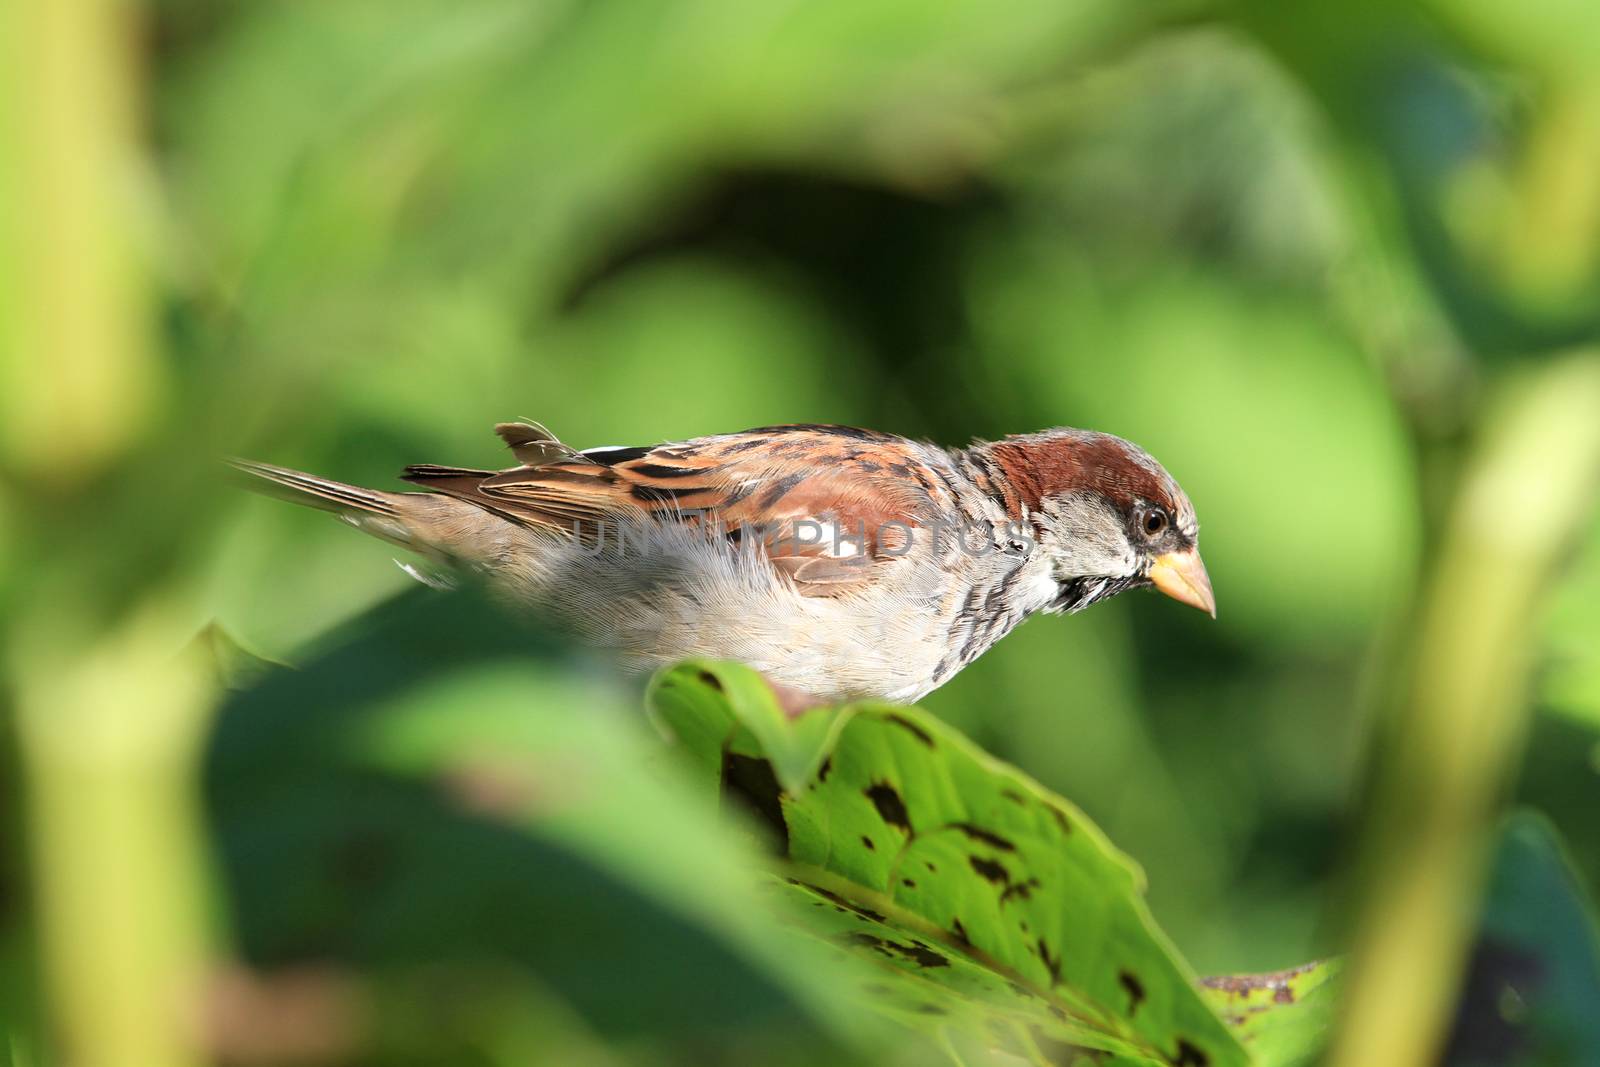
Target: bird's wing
(832, 507)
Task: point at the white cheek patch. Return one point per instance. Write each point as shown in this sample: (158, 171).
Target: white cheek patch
(1090, 541)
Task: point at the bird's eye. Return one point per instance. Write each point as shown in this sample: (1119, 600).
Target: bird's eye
(1155, 520)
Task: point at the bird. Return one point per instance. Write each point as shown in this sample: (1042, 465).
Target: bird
(844, 564)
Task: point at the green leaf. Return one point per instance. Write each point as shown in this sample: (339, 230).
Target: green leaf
(698, 715)
(236, 666)
(1530, 991)
(997, 906)
(922, 982)
(1283, 1017)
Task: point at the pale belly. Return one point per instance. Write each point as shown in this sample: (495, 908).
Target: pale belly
(896, 638)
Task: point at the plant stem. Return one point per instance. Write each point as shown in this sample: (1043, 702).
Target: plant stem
(1460, 714)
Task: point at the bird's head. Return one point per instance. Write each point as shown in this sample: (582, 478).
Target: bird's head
(1107, 516)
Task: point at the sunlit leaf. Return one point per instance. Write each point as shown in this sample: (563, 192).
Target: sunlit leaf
(983, 883)
(795, 746)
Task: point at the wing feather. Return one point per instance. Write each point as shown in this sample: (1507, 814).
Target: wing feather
(828, 504)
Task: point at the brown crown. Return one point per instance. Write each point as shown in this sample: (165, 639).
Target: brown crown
(1065, 461)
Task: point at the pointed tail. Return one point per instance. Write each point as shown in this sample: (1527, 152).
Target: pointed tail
(316, 492)
(442, 528)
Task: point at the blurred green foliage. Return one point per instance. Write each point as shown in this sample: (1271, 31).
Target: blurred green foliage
(1534, 976)
(1293, 250)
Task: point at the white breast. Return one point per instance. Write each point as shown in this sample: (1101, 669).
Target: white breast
(658, 593)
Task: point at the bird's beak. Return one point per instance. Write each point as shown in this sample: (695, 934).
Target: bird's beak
(1183, 577)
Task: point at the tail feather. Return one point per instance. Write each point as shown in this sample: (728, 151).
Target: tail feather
(313, 491)
(448, 525)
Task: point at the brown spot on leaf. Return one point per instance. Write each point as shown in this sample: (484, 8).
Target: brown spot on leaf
(822, 772)
(867, 841)
(1242, 985)
(711, 680)
(891, 809)
(1020, 890)
(1052, 963)
(847, 905)
(916, 953)
(1190, 1056)
(989, 870)
(988, 837)
(751, 782)
(872, 941)
(916, 731)
(922, 955)
(960, 932)
(1135, 989)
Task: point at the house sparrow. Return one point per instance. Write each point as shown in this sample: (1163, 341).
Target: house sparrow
(842, 563)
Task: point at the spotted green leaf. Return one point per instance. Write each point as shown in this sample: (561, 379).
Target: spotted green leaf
(702, 714)
(992, 905)
(1284, 1018)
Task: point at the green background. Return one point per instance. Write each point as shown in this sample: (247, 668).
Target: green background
(1297, 253)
